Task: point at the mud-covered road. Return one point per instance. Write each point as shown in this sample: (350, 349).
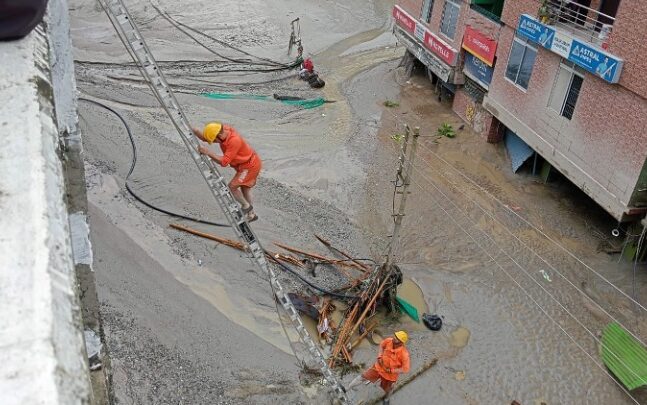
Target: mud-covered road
(188, 321)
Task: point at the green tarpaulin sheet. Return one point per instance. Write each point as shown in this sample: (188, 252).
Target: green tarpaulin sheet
(408, 309)
(307, 104)
(624, 356)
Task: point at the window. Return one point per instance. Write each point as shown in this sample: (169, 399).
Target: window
(427, 8)
(520, 62)
(472, 89)
(450, 18)
(566, 89)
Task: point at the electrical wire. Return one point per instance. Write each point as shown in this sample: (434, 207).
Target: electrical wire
(516, 282)
(311, 284)
(552, 267)
(482, 189)
(198, 220)
(268, 62)
(523, 243)
(543, 310)
(638, 249)
(132, 168)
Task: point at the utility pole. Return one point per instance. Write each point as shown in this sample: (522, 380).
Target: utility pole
(405, 167)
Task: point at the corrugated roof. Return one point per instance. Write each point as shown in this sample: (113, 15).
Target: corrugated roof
(624, 356)
(518, 150)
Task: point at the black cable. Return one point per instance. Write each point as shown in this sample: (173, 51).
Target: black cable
(316, 287)
(202, 221)
(132, 168)
(278, 65)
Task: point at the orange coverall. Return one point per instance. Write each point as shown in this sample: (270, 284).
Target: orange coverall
(390, 358)
(239, 155)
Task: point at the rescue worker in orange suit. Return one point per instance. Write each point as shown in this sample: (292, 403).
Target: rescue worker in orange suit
(392, 361)
(307, 69)
(237, 154)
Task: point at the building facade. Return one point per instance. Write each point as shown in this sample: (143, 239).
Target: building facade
(565, 77)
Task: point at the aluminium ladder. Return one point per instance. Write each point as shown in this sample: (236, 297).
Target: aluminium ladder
(141, 54)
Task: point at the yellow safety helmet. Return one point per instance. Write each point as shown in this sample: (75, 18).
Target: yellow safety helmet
(211, 131)
(402, 336)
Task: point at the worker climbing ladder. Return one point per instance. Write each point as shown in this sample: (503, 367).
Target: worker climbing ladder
(139, 51)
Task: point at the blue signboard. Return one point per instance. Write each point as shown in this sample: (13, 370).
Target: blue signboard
(477, 69)
(585, 55)
(599, 63)
(535, 31)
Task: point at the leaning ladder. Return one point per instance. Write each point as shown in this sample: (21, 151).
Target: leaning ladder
(141, 54)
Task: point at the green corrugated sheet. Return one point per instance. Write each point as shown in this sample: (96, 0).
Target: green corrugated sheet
(408, 309)
(624, 356)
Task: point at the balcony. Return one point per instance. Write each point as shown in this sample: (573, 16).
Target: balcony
(576, 17)
(491, 9)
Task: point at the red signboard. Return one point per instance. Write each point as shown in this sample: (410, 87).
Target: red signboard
(479, 45)
(403, 19)
(441, 49)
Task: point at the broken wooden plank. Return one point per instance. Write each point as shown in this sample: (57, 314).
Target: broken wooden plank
(316, 256)
(329, 245)
(224, 241)
(361, 337)
(403, 383)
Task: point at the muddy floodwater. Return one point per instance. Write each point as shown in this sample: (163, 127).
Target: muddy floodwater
(512, 265)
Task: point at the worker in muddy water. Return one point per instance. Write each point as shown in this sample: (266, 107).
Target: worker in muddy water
(237, 154)
(392, 361)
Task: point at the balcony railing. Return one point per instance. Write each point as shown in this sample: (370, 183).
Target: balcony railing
(486, 13)
(584, 22)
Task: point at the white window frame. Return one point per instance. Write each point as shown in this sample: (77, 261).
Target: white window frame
(573, 70)
(457, 5)
(426, 11)
(527, 44)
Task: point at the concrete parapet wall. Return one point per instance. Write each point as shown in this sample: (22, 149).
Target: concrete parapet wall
(41, 343)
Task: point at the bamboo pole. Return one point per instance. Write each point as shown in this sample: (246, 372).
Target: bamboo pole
(368, 306)
(361, 337)
(236, 245)
(224, 241)
(317, 256)
(329, 245)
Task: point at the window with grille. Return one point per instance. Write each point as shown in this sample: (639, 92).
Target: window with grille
(476, 92)
(450, 18)
(427, 8)
(520, 62)
(566, 89)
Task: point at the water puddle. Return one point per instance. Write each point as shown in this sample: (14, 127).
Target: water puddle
(460, 337)
(408, 290)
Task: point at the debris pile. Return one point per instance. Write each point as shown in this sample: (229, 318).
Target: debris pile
(368, 287)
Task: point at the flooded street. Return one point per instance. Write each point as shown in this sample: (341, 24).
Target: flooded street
(511, 264)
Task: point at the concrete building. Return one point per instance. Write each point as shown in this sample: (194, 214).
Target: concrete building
(45, 251)
(566, 77)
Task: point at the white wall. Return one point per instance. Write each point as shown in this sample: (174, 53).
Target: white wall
(42, 354)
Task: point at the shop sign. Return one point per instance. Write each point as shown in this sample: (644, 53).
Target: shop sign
(436, 45)
(478, 70)
(440, 48)
(479, 45)
(430, 60)
(561, 44)
(535, 31)
(404, 20)
(587, 56)
(597, 62)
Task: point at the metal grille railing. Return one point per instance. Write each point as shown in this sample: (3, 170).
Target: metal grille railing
(486, 12)
(584, 22)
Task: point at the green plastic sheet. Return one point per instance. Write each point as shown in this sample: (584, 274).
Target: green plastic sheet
(306, 104)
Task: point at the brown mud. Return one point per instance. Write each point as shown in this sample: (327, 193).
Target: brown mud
(188, 321)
